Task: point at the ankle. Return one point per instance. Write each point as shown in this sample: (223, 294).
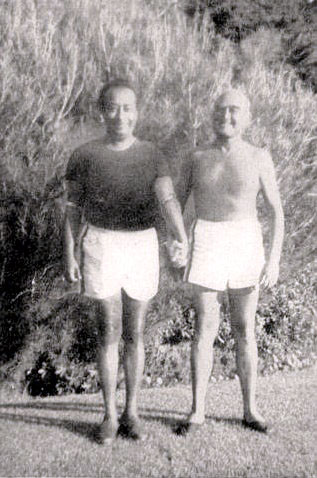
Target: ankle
(130, 413)
(253, 415)
(110, 417)
(197, 416)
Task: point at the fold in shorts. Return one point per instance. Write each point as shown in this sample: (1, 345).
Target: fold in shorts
(115, 260)
(225, 255)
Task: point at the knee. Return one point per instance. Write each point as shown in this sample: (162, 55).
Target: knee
(109, 333)
(133, 337)
(206, 331)
(244, 334)
(109, 321)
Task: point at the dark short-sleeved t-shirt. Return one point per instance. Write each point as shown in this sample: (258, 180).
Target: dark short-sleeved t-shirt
(115, 189)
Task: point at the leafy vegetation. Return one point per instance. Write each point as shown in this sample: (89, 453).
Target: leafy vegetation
(54, 59)
(296, 21)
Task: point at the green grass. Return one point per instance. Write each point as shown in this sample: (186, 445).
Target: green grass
(54, 436)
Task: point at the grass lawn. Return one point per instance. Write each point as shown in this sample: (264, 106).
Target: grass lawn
(54, 436)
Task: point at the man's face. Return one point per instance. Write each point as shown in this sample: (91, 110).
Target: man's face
(231, 115)
(120, 113)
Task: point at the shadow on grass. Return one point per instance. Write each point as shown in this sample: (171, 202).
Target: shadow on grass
(159, 415)
(169, 418)
(61, 406)
(84, 429)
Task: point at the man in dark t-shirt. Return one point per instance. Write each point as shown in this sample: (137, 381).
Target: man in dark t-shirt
(113, 194)
(116, 186)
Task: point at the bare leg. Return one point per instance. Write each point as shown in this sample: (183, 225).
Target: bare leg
(110, 329)
(242, 310)
(134, 312)
(206, 328)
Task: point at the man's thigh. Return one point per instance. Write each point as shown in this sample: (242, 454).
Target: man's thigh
(109, 316)
(134, 314)
(243, 305)
(207, 303)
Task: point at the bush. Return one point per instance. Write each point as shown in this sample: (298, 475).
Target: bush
(295, 21)
(53, 63)
(59, 355)
(286, 333)
(286, 325)
(60, 347)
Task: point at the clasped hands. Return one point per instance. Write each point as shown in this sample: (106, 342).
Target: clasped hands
(177, 251)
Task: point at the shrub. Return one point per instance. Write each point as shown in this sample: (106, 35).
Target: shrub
(61, 342)
(59, 356)
(54, 59)
(286, 324)
(237, 20)
(286, 333)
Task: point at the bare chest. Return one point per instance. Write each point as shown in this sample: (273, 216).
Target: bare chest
(226, 175)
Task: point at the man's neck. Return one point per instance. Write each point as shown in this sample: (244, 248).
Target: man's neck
(121, 145)
(226, 144)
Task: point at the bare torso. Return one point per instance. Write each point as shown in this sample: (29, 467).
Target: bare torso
(226, 183)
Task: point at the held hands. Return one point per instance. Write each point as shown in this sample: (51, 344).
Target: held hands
(269, 274)
(177, 251)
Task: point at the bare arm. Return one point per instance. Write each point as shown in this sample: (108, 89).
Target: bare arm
(71, 232)
(171, 209)
(183, 186)
(172, 212)
(273, 201)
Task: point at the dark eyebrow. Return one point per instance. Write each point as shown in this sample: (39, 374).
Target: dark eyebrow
(113, 103)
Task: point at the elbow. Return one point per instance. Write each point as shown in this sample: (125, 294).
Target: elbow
(164, 189)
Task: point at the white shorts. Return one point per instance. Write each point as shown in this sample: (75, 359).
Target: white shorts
(115, 260)
(225, 255)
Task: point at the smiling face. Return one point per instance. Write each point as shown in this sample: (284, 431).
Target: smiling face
(120, 113)
(231, 114)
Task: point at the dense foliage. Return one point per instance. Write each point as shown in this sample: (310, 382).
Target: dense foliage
(59, 354)
(54, 58)
(296, 20)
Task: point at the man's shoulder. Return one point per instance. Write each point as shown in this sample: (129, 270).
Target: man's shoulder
(88, 148)
(147, 149)
(256, 151)
(81, 158)
(263, 158)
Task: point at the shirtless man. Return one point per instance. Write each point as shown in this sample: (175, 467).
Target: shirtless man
(111, 246)
(226, 248)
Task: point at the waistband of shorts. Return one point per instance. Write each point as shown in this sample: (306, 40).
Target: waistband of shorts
(101, 230)
(252, 223)
(252, 220)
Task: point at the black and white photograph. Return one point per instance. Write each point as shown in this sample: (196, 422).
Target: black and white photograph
(158, 306)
